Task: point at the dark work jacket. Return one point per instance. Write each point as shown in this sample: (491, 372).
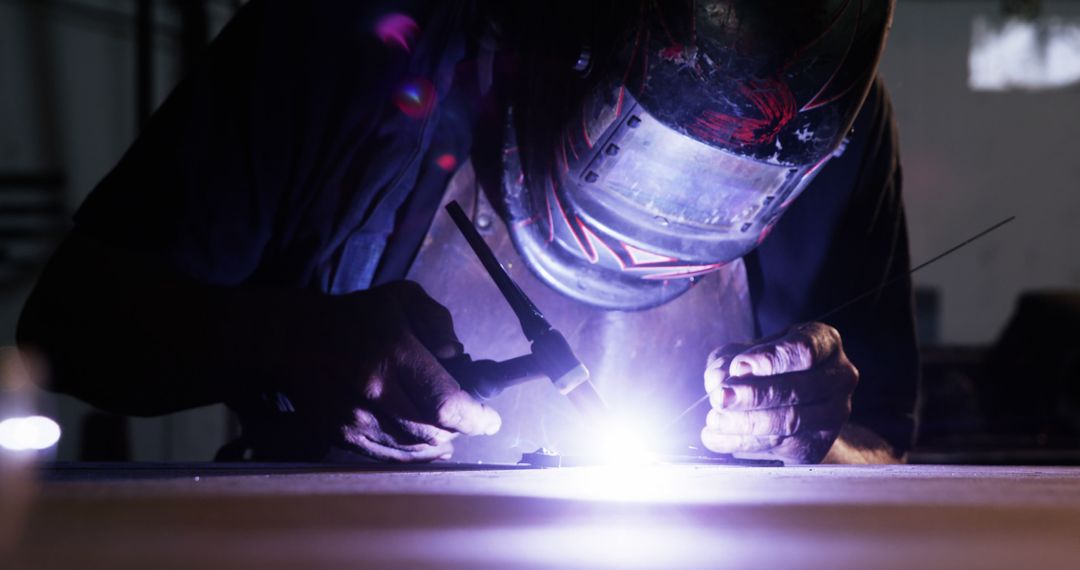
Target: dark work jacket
(287, 160)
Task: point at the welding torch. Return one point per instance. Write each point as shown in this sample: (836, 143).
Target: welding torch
(550, 355)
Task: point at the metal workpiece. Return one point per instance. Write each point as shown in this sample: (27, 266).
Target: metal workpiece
(547, 459)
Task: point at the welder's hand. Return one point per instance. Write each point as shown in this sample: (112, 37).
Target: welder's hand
(397, 402)
(786, 397)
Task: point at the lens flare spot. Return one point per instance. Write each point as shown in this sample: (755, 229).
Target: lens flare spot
(416, 98)
(397, 30)
(446, 162)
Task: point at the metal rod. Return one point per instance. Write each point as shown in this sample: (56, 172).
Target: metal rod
(692, 407)
(533, 323)
(879, 288)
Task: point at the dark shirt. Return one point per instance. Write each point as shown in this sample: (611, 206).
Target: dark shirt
(844, 236)
(287, 160)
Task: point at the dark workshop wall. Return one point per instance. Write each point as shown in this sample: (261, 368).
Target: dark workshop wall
(973, 157)
(68, 105)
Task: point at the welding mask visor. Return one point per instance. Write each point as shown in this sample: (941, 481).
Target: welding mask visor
(634, 211)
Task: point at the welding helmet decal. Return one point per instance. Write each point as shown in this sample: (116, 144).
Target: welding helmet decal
(673, 168)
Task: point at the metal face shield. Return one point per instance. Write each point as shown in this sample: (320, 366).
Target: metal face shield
(634, 210)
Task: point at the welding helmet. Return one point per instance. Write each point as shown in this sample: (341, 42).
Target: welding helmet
(712, 117)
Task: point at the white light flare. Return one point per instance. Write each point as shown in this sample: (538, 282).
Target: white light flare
(623, 439)
(30, 433)
(618, 443)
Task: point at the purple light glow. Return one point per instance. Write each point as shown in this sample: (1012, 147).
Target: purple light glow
(416, 98)
(397, 30)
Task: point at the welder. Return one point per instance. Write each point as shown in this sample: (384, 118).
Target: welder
(676, 174)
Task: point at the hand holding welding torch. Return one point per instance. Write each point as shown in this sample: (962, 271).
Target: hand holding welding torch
(388, 394)
(785, 397)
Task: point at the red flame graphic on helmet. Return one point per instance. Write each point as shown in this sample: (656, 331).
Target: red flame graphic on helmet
(774, 106)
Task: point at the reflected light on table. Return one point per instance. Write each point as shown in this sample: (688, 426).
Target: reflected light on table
(644, 483)
(602, 544)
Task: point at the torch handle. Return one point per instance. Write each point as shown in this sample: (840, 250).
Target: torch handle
(533, 323)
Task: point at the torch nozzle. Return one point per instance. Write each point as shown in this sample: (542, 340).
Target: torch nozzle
(588, 401)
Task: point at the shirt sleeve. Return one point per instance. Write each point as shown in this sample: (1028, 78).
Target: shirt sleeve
(844, 236)
(282, 144)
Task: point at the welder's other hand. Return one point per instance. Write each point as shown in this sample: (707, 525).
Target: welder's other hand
(391, 398)
(786, 397)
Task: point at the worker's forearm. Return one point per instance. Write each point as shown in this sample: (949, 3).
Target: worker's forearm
(859, 445)
(127, 335)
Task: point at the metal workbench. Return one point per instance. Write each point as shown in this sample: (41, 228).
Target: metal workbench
(667, 516)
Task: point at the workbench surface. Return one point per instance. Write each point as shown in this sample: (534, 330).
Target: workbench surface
(611, 517)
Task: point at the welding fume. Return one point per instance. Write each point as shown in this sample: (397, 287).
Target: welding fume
(366, 227)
